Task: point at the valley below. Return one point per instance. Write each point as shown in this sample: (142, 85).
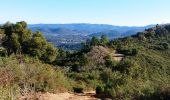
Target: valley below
(70, 36)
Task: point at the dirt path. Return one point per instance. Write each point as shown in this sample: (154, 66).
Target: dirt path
(66, 96)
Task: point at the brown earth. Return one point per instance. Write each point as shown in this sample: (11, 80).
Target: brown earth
(63, 96)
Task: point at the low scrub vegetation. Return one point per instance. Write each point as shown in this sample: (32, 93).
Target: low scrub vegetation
(29, 76)
(30, 64)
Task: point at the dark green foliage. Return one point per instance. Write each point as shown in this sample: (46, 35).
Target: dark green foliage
(124, 66)
(50, 54)
(78, 89)
(128, 51)
(142, 74)
(104, 40)
(147, 59)
(139, 75)
(94, 41)
(99, 90)
(158, 95)
(165, 46)
(110, 63)
(115, 43)
(87, 46)
(18, 39)
(134, 52)
(62, 57)
(140, 36)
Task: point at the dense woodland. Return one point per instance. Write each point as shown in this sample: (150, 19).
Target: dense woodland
(30, 64)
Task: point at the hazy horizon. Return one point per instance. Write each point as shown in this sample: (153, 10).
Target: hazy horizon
(112, 12)
(94, 24)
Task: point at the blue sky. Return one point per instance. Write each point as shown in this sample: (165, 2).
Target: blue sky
(115, 12)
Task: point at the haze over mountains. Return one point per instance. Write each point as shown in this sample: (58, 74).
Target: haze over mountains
(71, 35)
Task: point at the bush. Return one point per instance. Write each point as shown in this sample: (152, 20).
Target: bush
(9, 92)
(3, 51)
(30, 75)
(165, 45)
(134, 52)
(78, 89)
(99, 90)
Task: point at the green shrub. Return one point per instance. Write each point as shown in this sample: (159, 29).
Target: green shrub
(3, 51)
(10, 92)
(78, 89)
(30, 75)
(99, 90)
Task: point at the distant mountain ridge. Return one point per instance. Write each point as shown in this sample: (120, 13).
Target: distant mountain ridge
(71, 34)
(88, 28)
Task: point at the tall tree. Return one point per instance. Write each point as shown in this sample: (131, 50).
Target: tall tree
(94, 41)
(104, 40)
(19, 39)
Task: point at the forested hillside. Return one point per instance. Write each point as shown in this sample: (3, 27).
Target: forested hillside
(131, 68)
(70, 36)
